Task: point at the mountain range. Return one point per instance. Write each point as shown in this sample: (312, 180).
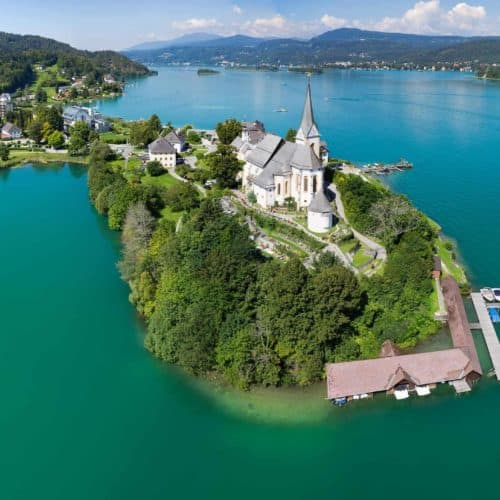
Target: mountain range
(333, 46)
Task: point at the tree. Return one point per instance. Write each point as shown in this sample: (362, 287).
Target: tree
(101, 152)
(154, 124)
(35, 131)
(41, 95)
(142, 133)
(79, 137)
(56, 140)
(193, 137)
(4, 152)
(223, 166)
(155, 168)
(137, 231)
(228, 131)
(291, 135)
(182, 196)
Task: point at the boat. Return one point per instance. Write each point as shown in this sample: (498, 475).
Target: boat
(496, 294)
(281, 110)
(340, 401)
(487, 294)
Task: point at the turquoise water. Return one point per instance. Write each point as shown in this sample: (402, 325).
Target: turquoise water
(87, 413)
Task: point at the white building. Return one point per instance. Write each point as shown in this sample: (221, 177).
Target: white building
(319, 213)
(177, 140)
(6, 105)
(93, 119)
(161, 150)
(277, 170)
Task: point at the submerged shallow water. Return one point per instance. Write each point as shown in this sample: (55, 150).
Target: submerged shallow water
(87, 413)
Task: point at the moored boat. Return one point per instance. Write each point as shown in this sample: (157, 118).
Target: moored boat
(487, 294)
(496, 294)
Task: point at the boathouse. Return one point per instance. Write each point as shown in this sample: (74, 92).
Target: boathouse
(398, 374)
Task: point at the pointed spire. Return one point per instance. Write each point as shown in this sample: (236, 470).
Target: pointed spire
(308, 128)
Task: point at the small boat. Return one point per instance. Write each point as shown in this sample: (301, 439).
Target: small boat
(281, 110)
(487, 294)
(496, 293)
(340, 401)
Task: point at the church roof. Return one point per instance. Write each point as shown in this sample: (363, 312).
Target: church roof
(308, 127)
(264, 150)
(175, 138)
(305, 158)
(320, 203)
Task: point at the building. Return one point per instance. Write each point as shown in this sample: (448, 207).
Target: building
(278, 171)
(161, 150)
(92, 118)
(6, 105)
(11, 131)
(398, 374)
(252, 132)
(319, 213)
(177, 140)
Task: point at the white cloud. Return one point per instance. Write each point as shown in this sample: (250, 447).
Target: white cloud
(195, 24)
(466, 16)
(237, 10)
(333, 22)
(276, 26)
(428, 17)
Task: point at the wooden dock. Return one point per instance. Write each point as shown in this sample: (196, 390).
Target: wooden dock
(381, 168)
(490, 335)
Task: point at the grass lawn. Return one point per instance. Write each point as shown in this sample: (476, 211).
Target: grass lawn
(451, 267)
(165, 180)
(168, 214)
(349, 245)
(361, 258)
(113, 138)
(21, 157)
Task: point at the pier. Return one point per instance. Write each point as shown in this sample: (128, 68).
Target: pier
(488, 329)
(381, 168)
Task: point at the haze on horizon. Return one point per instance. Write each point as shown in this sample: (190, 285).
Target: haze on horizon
(112, 24)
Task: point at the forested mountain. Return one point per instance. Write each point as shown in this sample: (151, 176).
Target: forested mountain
(19, 53)
(344, 44)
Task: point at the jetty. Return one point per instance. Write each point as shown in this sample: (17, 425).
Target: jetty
(488, 329)
(382, 168)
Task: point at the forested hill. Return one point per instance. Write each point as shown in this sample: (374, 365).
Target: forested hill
(19, 53)
(344, 44)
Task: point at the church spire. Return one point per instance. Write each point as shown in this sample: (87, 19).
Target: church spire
(308, 128)
(308, 132)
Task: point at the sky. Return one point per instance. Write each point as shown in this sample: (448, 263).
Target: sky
(118, 24)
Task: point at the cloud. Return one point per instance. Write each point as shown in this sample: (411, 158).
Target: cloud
(275, 25)
(428, 17)
(333, 22)
(195, 24)
(237, 10)
(466, 16)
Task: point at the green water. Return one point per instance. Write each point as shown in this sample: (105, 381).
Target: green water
(87, 414)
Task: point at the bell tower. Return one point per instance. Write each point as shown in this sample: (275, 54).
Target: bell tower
(308, 133)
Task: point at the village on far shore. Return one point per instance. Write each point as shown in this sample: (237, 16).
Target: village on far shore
(294, 207)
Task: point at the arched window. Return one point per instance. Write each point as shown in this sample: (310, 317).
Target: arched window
(279, 189)
(297, 182)
(305, 184)
(315, 183)
(286, 188)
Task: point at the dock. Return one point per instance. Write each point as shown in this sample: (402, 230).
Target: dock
(381, 168)
(488, 329)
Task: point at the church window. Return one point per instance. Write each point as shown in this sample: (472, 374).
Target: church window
(315, 183)
(305, 184)
(279, 189)
(286, 188)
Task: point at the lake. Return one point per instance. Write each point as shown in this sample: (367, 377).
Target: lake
(87, 413)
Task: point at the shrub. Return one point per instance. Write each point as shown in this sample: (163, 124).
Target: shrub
(155, 168)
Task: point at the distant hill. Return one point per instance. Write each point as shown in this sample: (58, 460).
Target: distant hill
(192, 38)
(344, 44)
(18, 54)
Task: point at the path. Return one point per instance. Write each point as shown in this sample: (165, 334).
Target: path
(381, 252)
(490, 335)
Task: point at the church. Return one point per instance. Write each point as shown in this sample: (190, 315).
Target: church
(277, 170)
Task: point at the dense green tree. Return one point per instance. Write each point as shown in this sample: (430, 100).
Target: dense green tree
(193, 137)
(228, 131)
(182, 196)
(4, 152)
(35, 131)
(291, 135)
(223, 166)
(155, 168)
(56, 139)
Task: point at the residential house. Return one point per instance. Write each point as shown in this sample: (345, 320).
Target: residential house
(163, 151)
(6, 105)
(11, 131)
(177, 140)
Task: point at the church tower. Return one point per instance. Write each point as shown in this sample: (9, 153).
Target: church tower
(308, 133)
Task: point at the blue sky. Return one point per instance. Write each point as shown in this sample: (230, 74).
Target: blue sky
(117, 24)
